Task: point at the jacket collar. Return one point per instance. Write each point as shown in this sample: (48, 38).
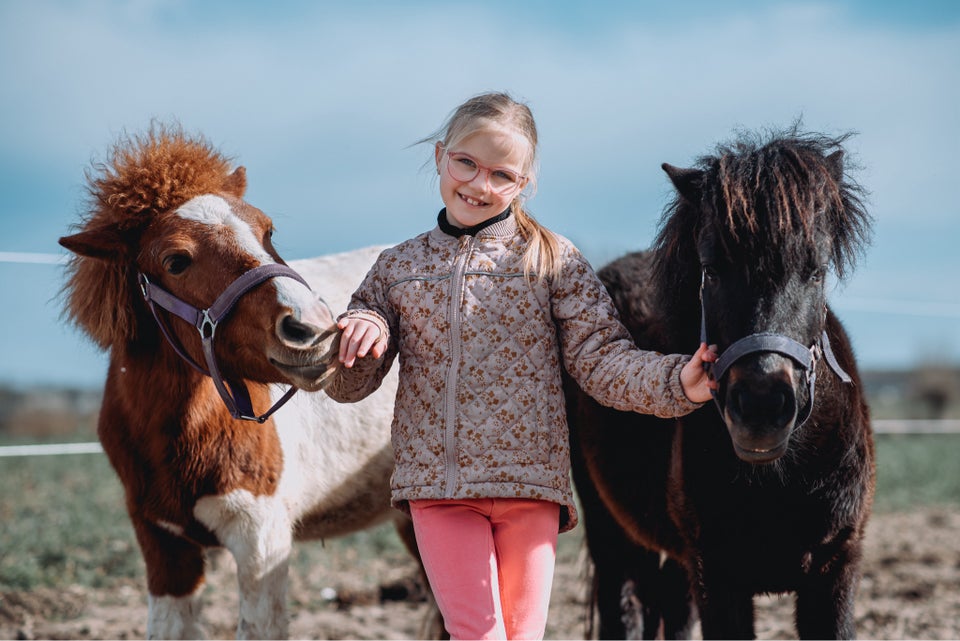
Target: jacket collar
(503, 224)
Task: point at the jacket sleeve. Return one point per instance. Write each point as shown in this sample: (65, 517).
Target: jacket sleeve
(353, 384)
(599, 353)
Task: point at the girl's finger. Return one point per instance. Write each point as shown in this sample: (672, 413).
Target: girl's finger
(350, 355)
(346, 338)
(711, 354)
(367, 340)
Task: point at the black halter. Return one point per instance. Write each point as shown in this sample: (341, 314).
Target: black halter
(206, 321)
(805, 357)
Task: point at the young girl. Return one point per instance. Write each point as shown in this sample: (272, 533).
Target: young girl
(485, 310)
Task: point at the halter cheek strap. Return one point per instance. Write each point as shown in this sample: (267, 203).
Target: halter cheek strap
(206, 321)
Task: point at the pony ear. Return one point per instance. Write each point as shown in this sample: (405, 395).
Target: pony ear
(686, 181)
(102, 242)
(835, 164)
(236, 183)
(99, 290)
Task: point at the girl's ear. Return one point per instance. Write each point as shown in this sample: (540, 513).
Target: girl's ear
(438, 155)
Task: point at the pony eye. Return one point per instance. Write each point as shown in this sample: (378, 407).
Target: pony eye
(709, 274)
(176, 264)
(817, 275)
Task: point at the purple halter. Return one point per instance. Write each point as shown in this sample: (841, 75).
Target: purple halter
(206, 322)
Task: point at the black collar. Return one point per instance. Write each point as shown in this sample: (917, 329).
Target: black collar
(457, 232)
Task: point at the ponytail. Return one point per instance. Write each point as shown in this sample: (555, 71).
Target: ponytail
(542, 256)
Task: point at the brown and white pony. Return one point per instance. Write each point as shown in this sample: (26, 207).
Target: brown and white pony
(167, 215)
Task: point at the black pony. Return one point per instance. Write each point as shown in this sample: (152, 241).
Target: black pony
(768, 489)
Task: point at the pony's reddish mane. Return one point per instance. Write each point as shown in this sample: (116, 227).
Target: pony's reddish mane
(155, 172)
(144, 177)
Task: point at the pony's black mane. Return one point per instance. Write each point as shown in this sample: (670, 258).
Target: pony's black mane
(765, 195)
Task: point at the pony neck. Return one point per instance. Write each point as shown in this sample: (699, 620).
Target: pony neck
(178, 393)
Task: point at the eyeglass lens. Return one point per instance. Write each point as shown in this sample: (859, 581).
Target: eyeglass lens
(464, 169)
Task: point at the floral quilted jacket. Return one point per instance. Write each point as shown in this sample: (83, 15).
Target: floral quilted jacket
(480, 409)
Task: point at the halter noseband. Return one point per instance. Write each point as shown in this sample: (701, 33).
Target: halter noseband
(805, 357)
(206, 322)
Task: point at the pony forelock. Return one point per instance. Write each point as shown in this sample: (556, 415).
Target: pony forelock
(766, 197)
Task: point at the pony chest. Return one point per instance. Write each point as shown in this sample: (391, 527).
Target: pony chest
(761, 534)
(170, 463)
(248, 457)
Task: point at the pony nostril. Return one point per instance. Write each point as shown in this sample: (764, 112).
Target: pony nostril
(292, 330)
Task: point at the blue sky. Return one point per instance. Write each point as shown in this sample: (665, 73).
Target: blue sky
(321, 102)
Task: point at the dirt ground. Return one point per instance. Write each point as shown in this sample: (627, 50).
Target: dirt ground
(910, 590)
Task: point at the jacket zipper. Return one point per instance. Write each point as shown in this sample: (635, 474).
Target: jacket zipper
(450, 393)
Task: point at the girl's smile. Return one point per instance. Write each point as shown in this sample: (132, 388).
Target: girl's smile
(472, 202)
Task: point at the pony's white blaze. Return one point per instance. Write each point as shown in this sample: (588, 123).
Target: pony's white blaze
(216, 212)
(212, 210)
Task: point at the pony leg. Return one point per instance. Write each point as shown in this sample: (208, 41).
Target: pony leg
(170, 617)
(725, 613)
(676, 602)
(175, 571)
(626, 582)
(263, 599)
(825, 600)
(622, 575)
(258, 532)
(822, 616)
(622, 570)
(654, 596)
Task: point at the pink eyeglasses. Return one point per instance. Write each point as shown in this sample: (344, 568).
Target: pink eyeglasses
(464, 168)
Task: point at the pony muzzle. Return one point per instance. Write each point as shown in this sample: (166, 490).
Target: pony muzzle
(760, 407)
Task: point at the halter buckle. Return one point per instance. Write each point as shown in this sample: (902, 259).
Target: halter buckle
(144, 285)
(815, 354)
(206, 323)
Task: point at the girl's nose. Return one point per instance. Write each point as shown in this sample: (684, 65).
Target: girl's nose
(481, 180)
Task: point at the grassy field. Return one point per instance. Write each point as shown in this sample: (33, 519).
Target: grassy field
(63, 522)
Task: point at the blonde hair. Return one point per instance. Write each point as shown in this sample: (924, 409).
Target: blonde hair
(542, 256)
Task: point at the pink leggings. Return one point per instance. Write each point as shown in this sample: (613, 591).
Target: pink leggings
(489, 563)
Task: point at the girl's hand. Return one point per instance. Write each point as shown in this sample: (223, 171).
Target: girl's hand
(696, 383)
(358, 338)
